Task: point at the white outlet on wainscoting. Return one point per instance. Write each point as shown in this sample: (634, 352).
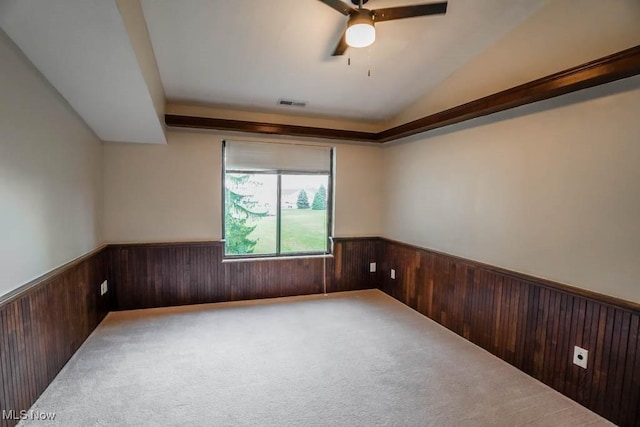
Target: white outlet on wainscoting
(372, 267)
(580, 356)
(393, 273)
(104, 288)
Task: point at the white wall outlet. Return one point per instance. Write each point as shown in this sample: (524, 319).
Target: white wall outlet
(580, 356)
(104, 288)
(393, 273)
(372, 267)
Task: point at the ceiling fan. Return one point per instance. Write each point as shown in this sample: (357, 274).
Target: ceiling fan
(361, 32)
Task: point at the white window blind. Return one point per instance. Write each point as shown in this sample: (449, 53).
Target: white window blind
(263, 156)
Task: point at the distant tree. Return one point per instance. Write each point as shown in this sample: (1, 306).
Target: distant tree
(238, 210)
(303, 200)
(320, 199)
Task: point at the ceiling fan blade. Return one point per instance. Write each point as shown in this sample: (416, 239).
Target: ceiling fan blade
(342, 46)
(340, 6)
(392, 13)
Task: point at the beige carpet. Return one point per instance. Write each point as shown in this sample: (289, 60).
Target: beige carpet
(352, 359)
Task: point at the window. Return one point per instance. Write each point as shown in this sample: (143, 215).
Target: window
(277, 199)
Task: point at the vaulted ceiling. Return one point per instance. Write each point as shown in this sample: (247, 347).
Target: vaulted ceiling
(252, 53)
(120, 62)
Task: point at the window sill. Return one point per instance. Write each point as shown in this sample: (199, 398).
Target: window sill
(274, 258)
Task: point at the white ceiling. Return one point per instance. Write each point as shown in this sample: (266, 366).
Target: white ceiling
(249, 53)
(243, 55)
(84, 50)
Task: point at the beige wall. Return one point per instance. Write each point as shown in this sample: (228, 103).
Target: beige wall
(549, 189)
(546, 189)
(163, 192)
(50, 180)
(173, 192)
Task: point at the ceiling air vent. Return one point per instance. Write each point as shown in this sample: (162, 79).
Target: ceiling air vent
(292, 103)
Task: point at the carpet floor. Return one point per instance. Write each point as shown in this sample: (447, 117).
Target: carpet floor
(348, 359)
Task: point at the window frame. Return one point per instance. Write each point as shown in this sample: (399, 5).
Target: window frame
(279, 172)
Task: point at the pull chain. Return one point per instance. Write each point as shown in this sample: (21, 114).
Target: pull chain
(368, 60)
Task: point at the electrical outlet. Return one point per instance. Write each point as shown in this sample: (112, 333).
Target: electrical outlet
(393, 273)
(580, 357)
(372, 267)
(104, 288)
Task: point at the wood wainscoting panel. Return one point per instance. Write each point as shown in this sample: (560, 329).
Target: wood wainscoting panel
(352, 257)
(42, 324)
(533, 324)
(276, 277)
(167, 274)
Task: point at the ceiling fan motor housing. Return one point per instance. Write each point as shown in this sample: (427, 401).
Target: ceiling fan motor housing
(361, 29)
(361, 32)
(361, 16)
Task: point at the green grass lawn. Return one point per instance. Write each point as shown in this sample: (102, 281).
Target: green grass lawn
(303, 230)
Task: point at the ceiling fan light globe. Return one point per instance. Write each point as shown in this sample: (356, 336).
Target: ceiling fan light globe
(360, 35)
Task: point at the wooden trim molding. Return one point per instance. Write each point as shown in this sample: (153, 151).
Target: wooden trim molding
(352, 239)
(203, 243)
(604, 70)
(361, 250)
(618, 66)
(39, 281)
(266, 128)
(561, 287)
